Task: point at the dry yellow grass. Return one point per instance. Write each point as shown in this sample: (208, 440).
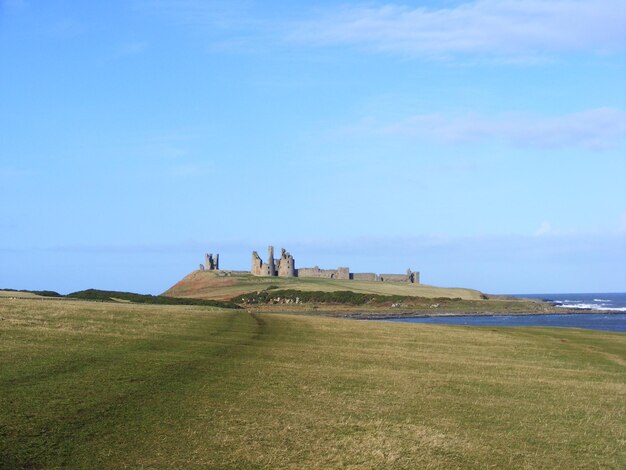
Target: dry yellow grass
(18, 295)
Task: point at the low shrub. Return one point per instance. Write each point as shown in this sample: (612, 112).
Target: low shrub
(302, 297)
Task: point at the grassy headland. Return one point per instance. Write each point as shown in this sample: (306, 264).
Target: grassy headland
(221, 286)
(121, 385)
(348, 297)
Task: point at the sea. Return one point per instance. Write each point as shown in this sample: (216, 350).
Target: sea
(615, 302)
(592, 316)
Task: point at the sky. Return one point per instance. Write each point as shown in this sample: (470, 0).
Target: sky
(482, 143)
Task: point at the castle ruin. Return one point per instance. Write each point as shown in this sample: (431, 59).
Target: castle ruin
(211, 263)
(285, 266)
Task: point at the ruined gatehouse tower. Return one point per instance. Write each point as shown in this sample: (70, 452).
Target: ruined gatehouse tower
(284, 266)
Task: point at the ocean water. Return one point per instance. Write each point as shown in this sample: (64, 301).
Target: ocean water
(614, 302)
(586, 303)
(589, 321)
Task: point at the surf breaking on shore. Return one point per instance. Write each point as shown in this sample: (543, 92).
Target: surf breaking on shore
(615, 302)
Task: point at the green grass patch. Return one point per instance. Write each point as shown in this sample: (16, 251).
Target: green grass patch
(126, 385)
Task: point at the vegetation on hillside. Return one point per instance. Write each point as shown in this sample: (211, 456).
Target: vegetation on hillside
(291, 296)
(361, 305)
(108, 296)
(43, 293)
(114, 296)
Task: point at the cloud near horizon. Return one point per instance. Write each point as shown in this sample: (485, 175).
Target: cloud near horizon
(496, 263)
(511, 31)
(594, 129)
(501, 27)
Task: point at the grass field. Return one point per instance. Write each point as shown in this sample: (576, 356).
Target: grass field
(18, 294)
(209, 285)
(106, 385)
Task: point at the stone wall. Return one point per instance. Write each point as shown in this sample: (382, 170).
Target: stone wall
(393, 278)
(410, 277)
(343, 273)
(364, 276)
(317, 273)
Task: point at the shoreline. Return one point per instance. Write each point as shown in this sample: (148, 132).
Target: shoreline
(384, 316)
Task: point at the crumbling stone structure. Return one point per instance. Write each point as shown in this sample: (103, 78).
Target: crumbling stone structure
(339, 273)
(264, 269)
(211, 263)
(285, 266)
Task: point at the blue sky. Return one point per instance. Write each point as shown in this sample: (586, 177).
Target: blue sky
(482, 143)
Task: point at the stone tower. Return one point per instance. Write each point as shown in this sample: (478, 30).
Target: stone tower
(271, 268)
(286, 264)
(212, 263)
(257, 264)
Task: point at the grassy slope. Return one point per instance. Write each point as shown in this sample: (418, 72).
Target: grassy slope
(207, 285)
(18, 294)
(92, 385)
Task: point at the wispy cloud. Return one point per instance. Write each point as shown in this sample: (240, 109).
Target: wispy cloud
(507, 30)
(544, 229)
(594, 129)
(493, 27)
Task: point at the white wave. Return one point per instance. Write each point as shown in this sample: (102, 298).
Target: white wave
(582, 306)
(601, 300)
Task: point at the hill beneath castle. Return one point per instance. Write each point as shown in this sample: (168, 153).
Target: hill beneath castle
(224, 285)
